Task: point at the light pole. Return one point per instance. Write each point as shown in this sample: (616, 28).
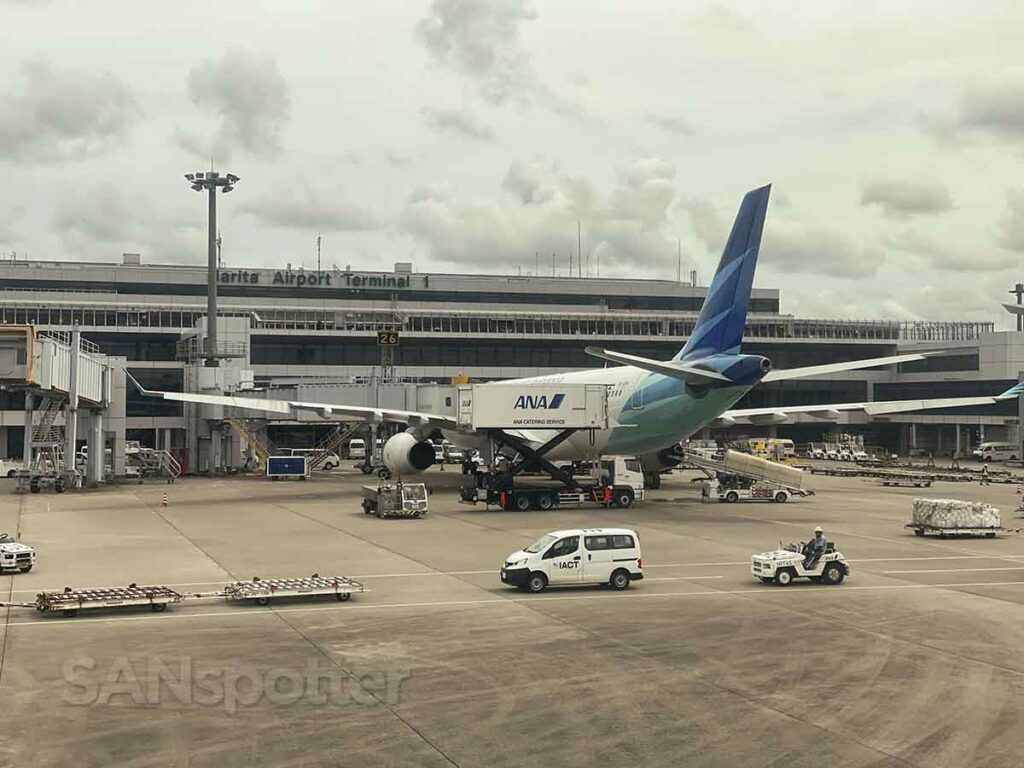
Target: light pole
(209, 181)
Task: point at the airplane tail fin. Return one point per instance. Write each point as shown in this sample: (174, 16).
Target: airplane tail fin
(719, 328)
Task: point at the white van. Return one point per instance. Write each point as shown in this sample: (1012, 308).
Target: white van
(329, 462)
(578, 556)
(357, 448)
(995, 452)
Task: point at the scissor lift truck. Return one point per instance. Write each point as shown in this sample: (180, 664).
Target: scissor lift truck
(395, 499)
(516, 418)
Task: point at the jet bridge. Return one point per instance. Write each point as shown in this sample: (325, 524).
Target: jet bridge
(58, 372)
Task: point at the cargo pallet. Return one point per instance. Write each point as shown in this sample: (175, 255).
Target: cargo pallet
(988, 532)
(906, 482)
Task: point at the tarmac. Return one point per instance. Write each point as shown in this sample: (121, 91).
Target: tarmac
(914, 661)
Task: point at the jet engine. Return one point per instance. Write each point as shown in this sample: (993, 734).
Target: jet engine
(406, 455)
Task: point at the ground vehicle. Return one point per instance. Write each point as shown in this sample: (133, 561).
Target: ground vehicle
(395, 499)
(11, 467)
(860, 456)
(329, 462)
(614, 481)
(578, 556)
(357, 448)
(787, 563)
(15, 556)
(732, 489)
(996, 452)
(287, 466)
(817, 453)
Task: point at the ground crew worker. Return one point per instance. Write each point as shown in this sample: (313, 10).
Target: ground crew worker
(984, 475)
(814, 549)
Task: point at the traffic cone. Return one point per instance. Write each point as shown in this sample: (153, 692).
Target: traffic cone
(165, 499)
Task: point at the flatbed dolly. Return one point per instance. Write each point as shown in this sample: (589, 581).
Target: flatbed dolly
(906, 482)
(70, 601)
(991, 533)
(261, 591)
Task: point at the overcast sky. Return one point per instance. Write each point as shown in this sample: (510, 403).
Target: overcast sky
(472, 135)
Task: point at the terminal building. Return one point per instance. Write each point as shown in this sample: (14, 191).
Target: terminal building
(303, 332)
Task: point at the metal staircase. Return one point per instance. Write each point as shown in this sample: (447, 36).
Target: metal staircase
(48, 465)
(330, 444)
(254, 432)
(159, 463)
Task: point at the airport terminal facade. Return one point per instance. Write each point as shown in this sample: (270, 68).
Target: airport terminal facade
(294, 327)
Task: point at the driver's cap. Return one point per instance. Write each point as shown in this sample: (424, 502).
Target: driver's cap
(818, 529)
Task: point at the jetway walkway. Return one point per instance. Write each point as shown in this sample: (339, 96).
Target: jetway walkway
(58, 372)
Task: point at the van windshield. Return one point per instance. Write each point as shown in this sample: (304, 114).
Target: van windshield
(541, 544)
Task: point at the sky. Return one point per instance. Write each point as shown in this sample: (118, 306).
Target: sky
(487, 136)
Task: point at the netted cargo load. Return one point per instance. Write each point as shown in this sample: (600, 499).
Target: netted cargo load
(953, 513)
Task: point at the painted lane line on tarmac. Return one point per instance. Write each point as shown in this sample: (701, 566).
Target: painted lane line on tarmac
(762, 590)
(415, 574)
(957, 570)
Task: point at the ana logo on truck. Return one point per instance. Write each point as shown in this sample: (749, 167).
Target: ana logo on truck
(532, 402)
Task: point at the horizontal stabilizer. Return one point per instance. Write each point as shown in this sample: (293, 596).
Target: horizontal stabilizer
(853, 365)
(688, 373)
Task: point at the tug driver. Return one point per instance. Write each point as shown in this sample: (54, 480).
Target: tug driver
(814, 549)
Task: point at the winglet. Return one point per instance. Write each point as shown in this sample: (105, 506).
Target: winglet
(135, 382)
(1015, 391)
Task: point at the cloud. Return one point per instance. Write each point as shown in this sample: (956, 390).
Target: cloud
(101, 222)
(671, 123)
(949, 256)
(624, 229)
(482, 41)
(994, 107)
(250, 98)
(796, 247)
(903, 198)
(708, 224)
(58, 114)
(310, 210)
(456, 121)
(1011, 227)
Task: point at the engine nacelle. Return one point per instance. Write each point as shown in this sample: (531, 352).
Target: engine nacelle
(405, 455)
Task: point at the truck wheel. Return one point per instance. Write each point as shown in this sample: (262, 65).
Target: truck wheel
(620, 580)
(264, 600)
(367, 507)
(59, 486)
(623, 497)
(34, 487)
(537, 582)
(11, 473)
(732, 497)
(545, 501)
(766, 579)
(784, 577)
(652, 481)
(25, 568)
(918, 532)
(780, 497)
(833, 574)
(159, 607)
(344, 596)
(366, 468)
(521, 502)
(384, 473)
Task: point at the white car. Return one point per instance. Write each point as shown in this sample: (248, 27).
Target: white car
(15, 556)
(577, 556)
(784, 565)
(860, 456)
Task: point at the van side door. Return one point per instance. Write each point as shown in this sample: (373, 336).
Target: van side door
(563, 561)
(597, 558)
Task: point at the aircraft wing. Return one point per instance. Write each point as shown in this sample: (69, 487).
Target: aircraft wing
(831, 411)
(327, 410)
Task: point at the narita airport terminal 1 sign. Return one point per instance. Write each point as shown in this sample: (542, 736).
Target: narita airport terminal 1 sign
(300, 278)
